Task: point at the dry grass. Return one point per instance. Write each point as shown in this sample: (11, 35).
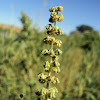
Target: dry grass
(5, 27)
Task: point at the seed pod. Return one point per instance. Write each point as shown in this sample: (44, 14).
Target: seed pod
(60, 8)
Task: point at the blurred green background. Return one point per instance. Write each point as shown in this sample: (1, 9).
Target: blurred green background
(21, 61)
(20, 48)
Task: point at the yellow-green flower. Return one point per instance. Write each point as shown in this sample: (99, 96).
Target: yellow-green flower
(60, 8)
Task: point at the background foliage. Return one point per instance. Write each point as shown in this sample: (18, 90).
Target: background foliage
(21, 61)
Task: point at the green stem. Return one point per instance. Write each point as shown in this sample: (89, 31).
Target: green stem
(49, 73)
(54, 23)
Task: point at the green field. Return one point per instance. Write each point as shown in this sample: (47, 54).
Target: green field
(21, 60)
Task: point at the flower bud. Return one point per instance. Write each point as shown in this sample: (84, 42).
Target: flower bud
(54, 57)
(42, 80)
(60, 17)
(52, 95)
(49, 27)
(42, 76)
(56, 91)
(60, 8)
(58, 69)
(43, 91)
(48, 40)
(56, 9)
(38, 93)
(58, 42)
(52, 20)
(55, 80)
(58, 52)
(53, 14)
(53, 9)
(49, 78)
(39, 75)
(47, 64)
(59, 32)
(55, 64)
(50, 9)
(54, 69)
(46, 69)
(49, 32)
(51, 52)
(55, 28)
(44, 52)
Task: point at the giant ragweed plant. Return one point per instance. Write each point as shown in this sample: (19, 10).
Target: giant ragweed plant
(53, 65)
